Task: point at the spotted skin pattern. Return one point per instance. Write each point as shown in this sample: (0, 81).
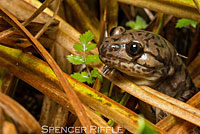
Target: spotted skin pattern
(155, 63)
(113, 53)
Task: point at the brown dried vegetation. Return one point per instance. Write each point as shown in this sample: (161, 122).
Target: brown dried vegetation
(33, 46)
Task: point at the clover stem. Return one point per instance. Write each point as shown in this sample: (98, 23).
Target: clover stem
(84, 58)
(88, 71)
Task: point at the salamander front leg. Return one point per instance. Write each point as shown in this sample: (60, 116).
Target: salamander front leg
(107, 69)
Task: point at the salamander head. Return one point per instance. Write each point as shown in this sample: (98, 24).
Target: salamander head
(140, 54)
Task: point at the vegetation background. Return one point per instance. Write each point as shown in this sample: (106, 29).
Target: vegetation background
(35, 92)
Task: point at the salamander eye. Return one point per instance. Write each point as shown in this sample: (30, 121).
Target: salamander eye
(134, 48)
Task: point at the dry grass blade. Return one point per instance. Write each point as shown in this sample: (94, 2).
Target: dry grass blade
(196, 80)
(5, 33)
(74, 100)
(126, 9)
(193, 51)
(44, 28)
(194, 71)
(103, 26)
(179, 8)
(173, 101)
(8, 128)
(152, 99)
(84, 19)
(10, 31)
(170, 122)
(7, 82)
(149, 13)
(39, 75)
(193, 68)
(19, 114)
(66, 35)
(99, 121)
(197, 5)
(38, 11)
(112, 12)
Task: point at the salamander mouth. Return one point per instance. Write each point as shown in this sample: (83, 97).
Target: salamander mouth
(128, 66)
(135, 70)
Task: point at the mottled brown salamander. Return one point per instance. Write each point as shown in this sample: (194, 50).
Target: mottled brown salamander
(149, 60)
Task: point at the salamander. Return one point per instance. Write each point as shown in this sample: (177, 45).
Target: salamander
(149, 60)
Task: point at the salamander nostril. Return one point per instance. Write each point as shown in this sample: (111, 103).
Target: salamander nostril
(114, 47)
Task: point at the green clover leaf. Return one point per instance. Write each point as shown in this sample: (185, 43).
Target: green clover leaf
(90, 46)
(95, 73)
(86, 37)
(92, 58)
(140, 23)
(82, 77)
(75, 59)
(78, 47)
(185, 22)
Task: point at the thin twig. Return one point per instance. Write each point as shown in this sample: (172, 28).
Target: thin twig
(38, 11)
(149, 13)
(10, 31)
(44, 28)
(182, 56)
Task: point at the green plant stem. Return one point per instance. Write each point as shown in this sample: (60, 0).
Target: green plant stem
(87, 68)
(84, 58)
(2, 73)
(160, 24)
(125, 99)
(111, 89)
